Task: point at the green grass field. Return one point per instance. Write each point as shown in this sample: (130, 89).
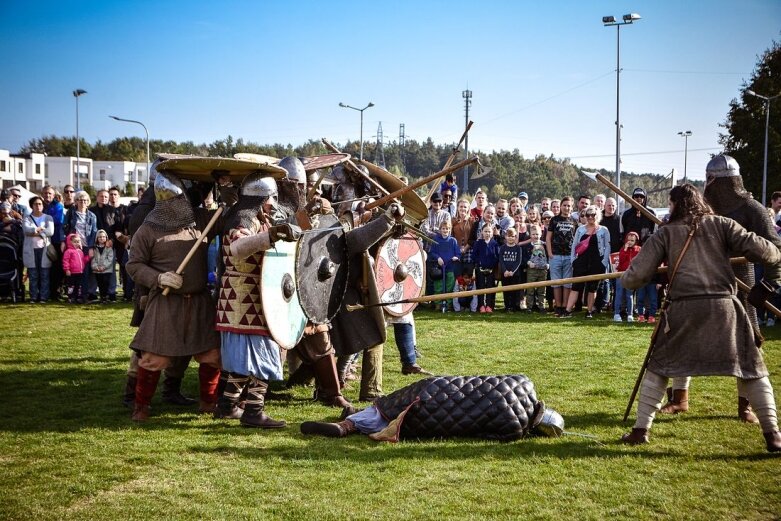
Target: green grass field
(68, 449)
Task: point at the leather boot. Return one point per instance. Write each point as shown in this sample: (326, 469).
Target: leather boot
(129, 398)
(678, 403)
(636, 437)
(146, 384)
(172, 392)
(208, 378)
(744, 411)
(772, 439)
(227, 403)
(253, 408)
(328, 383)
(341, 429)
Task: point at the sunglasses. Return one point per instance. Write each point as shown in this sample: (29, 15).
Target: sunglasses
(591, 215)
(70, 191)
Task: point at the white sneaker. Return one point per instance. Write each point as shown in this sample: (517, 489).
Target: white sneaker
(630, 318)
(771, 322)
(616, 318)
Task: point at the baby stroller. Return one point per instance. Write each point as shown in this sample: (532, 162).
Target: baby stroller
(9, 269)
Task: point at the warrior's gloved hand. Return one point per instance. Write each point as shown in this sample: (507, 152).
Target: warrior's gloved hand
(284, 232)
(761, 292)
(169, 279)
(313, 206)
(395, 211)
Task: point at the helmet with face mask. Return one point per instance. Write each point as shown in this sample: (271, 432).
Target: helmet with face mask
(172, 210)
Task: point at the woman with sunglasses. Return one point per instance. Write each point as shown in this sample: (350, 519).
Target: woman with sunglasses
(590, 256)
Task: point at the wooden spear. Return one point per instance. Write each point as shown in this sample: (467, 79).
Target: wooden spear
(420, 182)
(204, 234)
(516, 287)
(450, 159)
(354, 168)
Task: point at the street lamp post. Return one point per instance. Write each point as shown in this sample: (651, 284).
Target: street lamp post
(685, 135)
(361, 111)
(767, 126)
(76, 94)
(135, 174)
(609, 21)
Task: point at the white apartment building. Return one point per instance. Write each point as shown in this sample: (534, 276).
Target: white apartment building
(26, 172)
(38, 170)
(61, 171)
(118, 173)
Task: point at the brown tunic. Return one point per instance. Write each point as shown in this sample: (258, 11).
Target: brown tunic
(181, 323)
(709, 332)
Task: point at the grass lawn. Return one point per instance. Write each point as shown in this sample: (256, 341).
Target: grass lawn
(70, 451)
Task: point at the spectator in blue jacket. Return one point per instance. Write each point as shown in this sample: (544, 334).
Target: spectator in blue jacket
(485, 255)
(447, 253)
(55, 209)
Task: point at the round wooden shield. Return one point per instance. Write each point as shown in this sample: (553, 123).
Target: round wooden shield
(400, 272)
(200, 168)
(285, 318)
(322, 269)
(413, 204)
(312, 163)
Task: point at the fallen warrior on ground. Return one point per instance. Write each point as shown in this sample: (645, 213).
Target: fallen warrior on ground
(502, 408)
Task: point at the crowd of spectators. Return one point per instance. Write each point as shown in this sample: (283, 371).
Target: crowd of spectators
(515, 241)
(39, 239)
(475, 244)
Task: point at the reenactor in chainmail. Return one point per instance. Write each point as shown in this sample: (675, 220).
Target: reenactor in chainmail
(250, 356)
(725, 193)
(181, 323)
(174, 373)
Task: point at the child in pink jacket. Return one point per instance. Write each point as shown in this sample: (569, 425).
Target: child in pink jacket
(74, 260)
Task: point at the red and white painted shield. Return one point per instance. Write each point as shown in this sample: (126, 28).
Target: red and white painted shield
(400, 272)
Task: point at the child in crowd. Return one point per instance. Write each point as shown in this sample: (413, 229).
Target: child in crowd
(485, 254)
(536, 271)
(74, 261)
(102, 262)
(446, 252)
(628, 251)
(465, 282)
(511, 268)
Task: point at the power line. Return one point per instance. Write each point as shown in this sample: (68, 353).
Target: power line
(646, 153)
(717, 73)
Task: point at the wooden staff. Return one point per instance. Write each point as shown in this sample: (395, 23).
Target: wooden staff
(596, 176)
(450, 159)
(516, 287)
(420, 182)
(354, 168)
(200, 241)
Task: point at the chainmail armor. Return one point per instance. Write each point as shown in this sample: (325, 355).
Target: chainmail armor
(726, 194)
(244, 213)
(172, 214)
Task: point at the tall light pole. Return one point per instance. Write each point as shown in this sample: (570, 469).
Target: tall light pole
(685, 135)
(135, 175)
(76, 94)
(361, 111)
(609, 21)
(767, 126)
(467, 95)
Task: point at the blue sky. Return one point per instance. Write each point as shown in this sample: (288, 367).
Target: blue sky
(542, 73)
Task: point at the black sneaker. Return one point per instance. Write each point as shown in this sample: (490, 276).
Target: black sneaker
(566, 314)
(589, 314)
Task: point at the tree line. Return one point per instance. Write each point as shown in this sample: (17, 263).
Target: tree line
(510, 172)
